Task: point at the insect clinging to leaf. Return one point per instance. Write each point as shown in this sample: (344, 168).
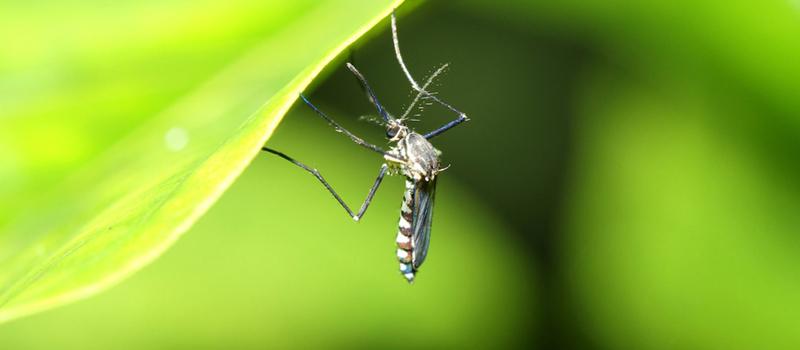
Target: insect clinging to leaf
(411, 155)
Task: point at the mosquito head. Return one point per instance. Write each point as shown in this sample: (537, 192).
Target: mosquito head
(396, 130)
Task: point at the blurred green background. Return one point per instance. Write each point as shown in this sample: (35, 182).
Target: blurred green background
(628, 180)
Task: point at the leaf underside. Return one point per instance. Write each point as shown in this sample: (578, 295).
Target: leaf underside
(122, 209)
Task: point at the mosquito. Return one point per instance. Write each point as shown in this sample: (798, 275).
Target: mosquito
(411, 155)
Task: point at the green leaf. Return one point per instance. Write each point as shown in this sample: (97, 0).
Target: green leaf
(114, 206)
(276, 263)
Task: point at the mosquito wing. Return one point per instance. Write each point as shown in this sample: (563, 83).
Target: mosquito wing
(424, 193)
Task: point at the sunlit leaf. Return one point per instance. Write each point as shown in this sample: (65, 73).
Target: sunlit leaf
(123, 208)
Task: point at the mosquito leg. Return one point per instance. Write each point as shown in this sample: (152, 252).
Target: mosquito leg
(368, 200)
(372, 97)
(461, 116)
(339, 128)
(445, 127)
(325, 183)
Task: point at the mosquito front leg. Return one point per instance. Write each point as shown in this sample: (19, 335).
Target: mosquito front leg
(339, 128)
(462, 117)
(372, 97)
(367, 201)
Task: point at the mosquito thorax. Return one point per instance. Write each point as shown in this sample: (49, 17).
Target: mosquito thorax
(414, 157)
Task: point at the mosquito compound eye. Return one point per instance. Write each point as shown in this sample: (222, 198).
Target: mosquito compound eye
(391, 132)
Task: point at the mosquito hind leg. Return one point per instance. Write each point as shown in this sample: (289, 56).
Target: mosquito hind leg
(367, 201)
(462, 117)
(445, 127)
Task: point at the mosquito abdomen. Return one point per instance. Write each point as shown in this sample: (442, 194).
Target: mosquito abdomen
(405, 247)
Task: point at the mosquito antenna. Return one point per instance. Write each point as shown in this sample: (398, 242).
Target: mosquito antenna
(371, 93)
(420, 94)
(372, 119)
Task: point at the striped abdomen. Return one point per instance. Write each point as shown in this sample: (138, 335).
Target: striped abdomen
(405, 246)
